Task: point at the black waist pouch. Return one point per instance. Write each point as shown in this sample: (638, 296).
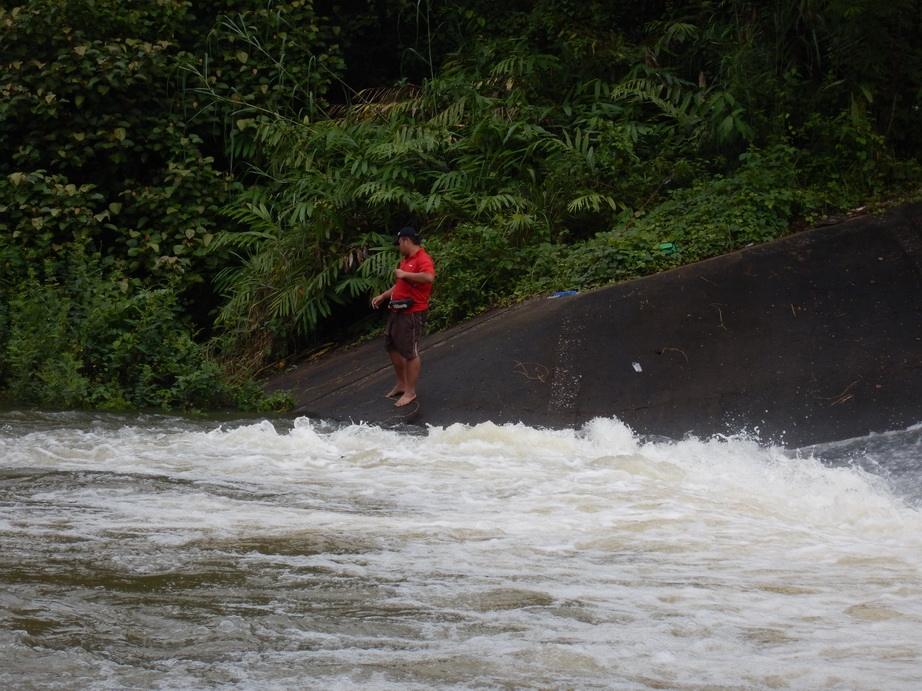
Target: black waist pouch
(400, 305)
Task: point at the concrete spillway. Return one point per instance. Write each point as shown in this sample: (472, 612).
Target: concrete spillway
(814, 337)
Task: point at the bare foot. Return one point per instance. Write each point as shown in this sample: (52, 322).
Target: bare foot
(406, 399)
(396, 391)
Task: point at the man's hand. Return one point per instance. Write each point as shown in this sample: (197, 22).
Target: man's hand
(400, 273)
(377, 300)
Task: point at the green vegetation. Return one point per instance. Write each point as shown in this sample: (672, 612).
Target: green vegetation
(187, 195)
(113, 177)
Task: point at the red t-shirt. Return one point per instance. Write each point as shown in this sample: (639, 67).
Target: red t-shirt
(420, 262)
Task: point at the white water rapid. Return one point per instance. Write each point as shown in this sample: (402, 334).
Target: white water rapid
(162, 553)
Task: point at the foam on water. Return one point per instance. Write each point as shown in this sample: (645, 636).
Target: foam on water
(163, 553)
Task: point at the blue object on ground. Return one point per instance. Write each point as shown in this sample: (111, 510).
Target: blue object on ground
(563, 294)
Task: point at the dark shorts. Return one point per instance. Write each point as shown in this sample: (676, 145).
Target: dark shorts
(404, 332)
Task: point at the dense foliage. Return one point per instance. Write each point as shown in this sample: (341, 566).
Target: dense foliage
(561, 147)
(113, 176)
(182, 186)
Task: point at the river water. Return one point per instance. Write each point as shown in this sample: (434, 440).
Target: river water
(157, 552)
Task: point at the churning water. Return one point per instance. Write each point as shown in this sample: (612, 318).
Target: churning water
(161, 553)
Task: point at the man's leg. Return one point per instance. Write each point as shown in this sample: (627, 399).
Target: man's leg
(400, 370)
(413, 363)
(411, 376)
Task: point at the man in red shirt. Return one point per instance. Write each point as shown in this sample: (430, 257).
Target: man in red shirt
(407, 302)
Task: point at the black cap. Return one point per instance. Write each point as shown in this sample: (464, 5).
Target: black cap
(407, 232)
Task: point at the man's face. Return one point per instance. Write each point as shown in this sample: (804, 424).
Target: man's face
(405, 245)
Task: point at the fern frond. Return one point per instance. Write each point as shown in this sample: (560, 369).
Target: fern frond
(592, 201)
(498, 202)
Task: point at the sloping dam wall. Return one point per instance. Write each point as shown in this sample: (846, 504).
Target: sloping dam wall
(811, 338)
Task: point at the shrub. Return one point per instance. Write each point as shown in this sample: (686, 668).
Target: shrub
(99, 340)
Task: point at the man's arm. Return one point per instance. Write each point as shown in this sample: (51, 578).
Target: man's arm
(419, 277)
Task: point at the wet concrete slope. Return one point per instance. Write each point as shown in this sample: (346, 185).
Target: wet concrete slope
(811, 338)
